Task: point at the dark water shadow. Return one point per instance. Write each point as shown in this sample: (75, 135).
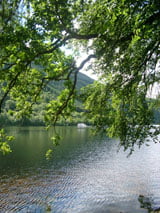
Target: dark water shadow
(148, 203)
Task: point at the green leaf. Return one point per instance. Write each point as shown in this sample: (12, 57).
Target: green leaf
(49, 154)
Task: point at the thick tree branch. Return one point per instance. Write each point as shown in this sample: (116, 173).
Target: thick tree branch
(10, 86)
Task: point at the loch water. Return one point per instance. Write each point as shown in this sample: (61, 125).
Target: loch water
(86, 174)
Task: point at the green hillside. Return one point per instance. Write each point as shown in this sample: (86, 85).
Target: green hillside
(56, 86)
(51, 91)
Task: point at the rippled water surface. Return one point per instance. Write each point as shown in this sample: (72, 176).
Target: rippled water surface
(86, 174)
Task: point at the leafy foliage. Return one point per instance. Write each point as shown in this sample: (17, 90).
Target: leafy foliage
(128, 55)
(4, 139)
(121, 36)
(39, 109)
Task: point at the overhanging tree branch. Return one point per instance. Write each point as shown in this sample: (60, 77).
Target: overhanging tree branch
(71, 93)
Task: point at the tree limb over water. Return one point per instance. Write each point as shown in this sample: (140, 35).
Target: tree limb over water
(123, 37)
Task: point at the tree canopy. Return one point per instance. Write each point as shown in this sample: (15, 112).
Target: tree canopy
(122, 40)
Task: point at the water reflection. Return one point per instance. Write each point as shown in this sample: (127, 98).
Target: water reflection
(86, 175)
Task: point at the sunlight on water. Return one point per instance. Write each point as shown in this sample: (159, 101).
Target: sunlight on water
(86, 175)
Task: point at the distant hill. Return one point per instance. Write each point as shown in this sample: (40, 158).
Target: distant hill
(50, 92)
(83, 80)
(56, 86)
